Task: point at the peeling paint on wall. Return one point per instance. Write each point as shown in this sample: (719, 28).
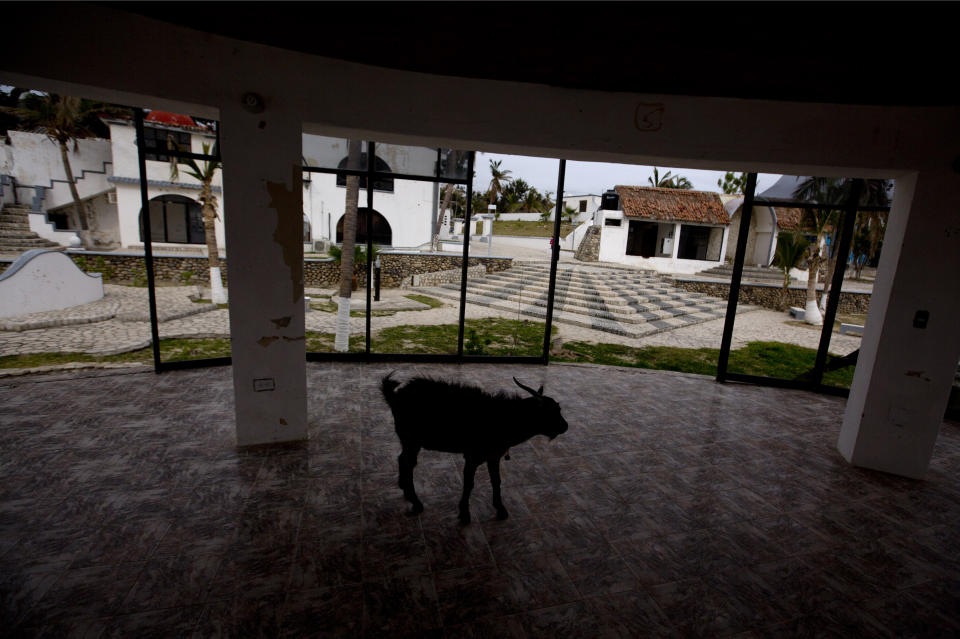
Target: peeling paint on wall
(268, 340)
(289, 232)
(282, 322)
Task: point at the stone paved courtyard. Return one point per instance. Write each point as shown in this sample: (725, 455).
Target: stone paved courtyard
(674, 506)
(120, 323)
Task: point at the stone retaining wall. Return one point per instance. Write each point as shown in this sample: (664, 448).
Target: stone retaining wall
(589, 249)
(768, 296)
(323, 272)
(443, 277)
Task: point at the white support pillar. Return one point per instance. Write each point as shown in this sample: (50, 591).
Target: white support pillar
(676, 242)
(906, 364)
(262, 184)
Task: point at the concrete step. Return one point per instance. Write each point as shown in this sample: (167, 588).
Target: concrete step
(582, 284)
(16, 234)
(14, 226)
(588, 321)
(625, 307)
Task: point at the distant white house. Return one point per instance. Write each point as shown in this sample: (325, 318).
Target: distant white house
(668, 230)
(585, 205)
(108, 181)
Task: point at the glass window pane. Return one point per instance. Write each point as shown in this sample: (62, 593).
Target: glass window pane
(157, 233)
(408, 160)
(176, 222)
(328, 153)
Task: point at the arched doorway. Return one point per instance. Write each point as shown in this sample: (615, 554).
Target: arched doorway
(175, 219)
(382, 234)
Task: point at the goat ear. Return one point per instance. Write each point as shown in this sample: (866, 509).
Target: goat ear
(540, 392)
(527, 388)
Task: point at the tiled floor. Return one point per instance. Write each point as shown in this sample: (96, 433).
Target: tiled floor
(672, 506)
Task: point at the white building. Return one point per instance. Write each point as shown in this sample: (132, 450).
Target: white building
(668, 230)
(585, 205)
(108, 180)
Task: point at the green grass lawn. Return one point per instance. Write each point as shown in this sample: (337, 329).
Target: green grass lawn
(493, 336)
(529, 229)
(768, 359)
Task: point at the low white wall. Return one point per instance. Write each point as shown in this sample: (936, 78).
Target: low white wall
(525, 242)
(45, 281)
(666, 265)
(520, 217)
(572, 241)
(45, 229)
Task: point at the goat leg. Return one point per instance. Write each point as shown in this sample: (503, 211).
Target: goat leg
(493, 467)
(469, 470)
(407, 461)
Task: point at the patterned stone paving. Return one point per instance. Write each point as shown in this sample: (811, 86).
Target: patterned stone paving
(627, 302)
(673, 506)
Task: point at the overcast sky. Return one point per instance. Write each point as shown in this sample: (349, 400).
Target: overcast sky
(593, 177)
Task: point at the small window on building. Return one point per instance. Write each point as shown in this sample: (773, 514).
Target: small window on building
(583, 206)
(611, 221)
(157, 139)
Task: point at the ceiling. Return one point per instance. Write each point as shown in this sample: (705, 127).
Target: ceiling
(860, 53)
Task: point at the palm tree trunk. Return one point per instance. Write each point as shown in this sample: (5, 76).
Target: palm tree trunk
(447, 198)
(342, 338)
(81, 218)
(217, 294)
(812, 311)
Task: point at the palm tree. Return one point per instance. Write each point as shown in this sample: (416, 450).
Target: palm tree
(208, 202)
(830, 191)
(733, 184)
(63, 119)
(790, 251)
(499, 179)
(668, 181)
(359, 259)
(342, 338)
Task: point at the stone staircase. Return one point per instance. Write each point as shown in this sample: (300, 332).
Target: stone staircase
(631, 303)
(15, 234)
(763, 274)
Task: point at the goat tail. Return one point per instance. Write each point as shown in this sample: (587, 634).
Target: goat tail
(388, 387)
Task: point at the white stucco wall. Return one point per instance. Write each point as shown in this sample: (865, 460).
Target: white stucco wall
(573, 201)
(46, 281)
(34, 160)
(407, 209)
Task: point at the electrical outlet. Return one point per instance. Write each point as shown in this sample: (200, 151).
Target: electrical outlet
(264, 384)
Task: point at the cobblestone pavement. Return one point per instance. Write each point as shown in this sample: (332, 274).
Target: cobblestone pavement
(125, 326)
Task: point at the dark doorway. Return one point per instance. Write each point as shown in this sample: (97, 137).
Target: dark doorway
(382, 235)
(175, 219)
(642, 239)
(693, 242)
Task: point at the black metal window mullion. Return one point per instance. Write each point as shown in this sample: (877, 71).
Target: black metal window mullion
(836, 285)
(746, 212)
(554, 258)
(147, 241)
(371, 152)
(466, 257)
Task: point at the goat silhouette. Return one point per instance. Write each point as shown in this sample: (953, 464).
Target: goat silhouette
(456, 418)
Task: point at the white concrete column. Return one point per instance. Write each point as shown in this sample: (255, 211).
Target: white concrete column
(676, 242)
(262, 181)
(905, 368)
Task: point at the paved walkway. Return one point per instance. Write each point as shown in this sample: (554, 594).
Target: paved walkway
(119, 323)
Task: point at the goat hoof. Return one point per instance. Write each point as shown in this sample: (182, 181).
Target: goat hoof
(464, 518)
(502, 514)
(417, 509)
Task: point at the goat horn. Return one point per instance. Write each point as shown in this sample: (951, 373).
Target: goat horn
(528, 389)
